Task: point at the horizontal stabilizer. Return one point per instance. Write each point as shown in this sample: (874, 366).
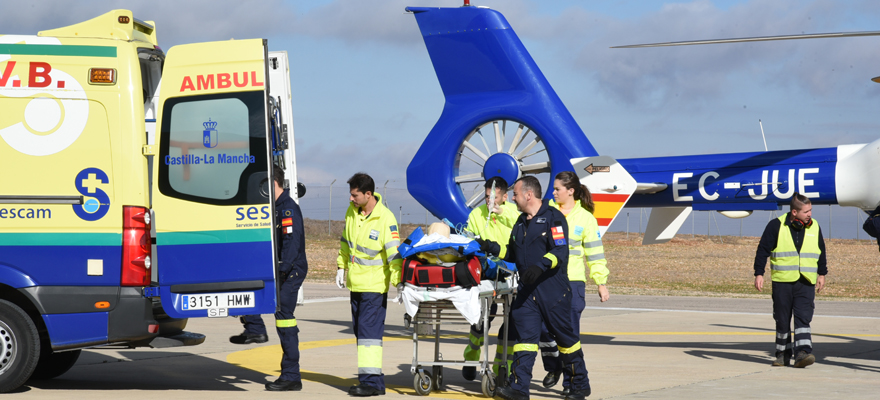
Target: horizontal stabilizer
(664, 224)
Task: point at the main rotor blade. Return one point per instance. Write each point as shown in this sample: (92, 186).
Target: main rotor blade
(754, 39)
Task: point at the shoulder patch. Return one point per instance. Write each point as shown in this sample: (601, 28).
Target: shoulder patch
(578, 230)
(558, 235)
(286, 213)
(394, 234)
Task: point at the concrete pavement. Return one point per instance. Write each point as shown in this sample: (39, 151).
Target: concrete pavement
(637, 347)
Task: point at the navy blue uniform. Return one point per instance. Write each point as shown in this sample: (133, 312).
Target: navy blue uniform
(541, 241)
(292, 269)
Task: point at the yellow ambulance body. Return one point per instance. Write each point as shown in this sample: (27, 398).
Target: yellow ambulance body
(94, 158)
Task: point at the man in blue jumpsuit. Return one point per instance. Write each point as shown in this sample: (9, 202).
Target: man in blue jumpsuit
(539, 248)
(292, 269)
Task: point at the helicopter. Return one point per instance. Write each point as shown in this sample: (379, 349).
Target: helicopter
(502, 118)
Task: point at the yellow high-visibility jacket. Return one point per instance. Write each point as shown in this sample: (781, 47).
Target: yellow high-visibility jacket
(499, 226)
(786, 264)
(369, 249)
(584, 243)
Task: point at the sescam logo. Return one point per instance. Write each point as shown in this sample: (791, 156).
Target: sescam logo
(57, 109)
(97, 202)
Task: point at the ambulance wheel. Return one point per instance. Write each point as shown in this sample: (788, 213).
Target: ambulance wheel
(512, 149)
(422, 386)
(52, 365)
(438, 377)
(488, 385)
(20, 346)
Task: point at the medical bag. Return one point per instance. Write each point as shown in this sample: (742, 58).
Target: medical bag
(464, 273)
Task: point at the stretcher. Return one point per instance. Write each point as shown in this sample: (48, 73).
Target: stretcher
(454, 306)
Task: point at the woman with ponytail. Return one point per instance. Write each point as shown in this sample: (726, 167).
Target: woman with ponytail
(584, 249)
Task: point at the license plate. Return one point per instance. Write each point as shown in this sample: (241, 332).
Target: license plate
(207, 301)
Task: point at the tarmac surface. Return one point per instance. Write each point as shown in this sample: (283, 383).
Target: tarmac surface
(636, 347)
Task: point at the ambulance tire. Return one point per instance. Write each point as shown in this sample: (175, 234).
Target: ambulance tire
(20, 344)
(52, 365)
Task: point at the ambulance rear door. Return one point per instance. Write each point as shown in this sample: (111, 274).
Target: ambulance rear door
(212, 197)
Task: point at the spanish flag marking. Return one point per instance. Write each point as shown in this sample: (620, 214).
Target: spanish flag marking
(287, 222)
(607, 206)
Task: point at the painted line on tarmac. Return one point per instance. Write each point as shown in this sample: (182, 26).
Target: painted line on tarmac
(713, 312)
(266, 359)
(327, 300)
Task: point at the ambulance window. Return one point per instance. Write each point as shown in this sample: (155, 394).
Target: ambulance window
(213, 148)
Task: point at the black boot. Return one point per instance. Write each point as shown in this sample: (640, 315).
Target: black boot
(282, 385)
(551, 379)
(364, 390)
(578, 394)
(248, 338)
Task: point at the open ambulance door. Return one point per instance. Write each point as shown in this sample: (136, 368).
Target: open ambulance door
(213, 199)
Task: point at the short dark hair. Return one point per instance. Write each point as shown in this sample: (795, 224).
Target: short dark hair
(499, 182)
(278, 174)
(798, 201)
(362, 182)
(530, 184)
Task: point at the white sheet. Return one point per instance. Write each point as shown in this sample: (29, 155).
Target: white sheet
(466, 301)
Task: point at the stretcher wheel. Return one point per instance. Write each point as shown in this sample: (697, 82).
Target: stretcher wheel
(438, 377)
(488, 385)
(422, 386)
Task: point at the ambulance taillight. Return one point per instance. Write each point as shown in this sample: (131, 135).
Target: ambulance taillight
(136, 246)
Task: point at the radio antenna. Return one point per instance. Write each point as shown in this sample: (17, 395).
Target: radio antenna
(762, 134)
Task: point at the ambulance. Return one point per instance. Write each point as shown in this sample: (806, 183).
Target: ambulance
(135, 188)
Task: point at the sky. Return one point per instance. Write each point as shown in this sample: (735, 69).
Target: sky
(365, 94)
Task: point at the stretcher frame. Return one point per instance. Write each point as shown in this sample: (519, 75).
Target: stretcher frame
(430, 313)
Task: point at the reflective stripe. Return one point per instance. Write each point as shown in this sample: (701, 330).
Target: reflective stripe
(574, 243)
(547, 344)
(285, 323)
(550, 354)
(780, 347)
(553, 260)
(810, 255)
(475, 346)
(784, 267)
(814, 270)
(804, 342)
(525, 347)
(368, 252)
(370, 356)
(344, 240)
(573, 252)
(500, 349)
(572, 349)
(369, 371)
(594, 257)
(798, 331)
(363, 261)
(396, 256)
(780, 254)
(783, 335)
(595, 243)
(393, 243)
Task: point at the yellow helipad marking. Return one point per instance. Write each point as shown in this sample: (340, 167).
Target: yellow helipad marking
(267, 359)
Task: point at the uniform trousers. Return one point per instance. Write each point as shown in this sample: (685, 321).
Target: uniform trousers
(793, 299)
(528, 317)
(368, 323)
(549, 349)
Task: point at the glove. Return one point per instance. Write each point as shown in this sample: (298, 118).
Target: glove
(531, 274)
(399, 298)
(340, 278)
(488, 246)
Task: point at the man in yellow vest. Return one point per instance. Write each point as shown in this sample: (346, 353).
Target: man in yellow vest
(369, 253)
(492, 224)
(794, 244)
